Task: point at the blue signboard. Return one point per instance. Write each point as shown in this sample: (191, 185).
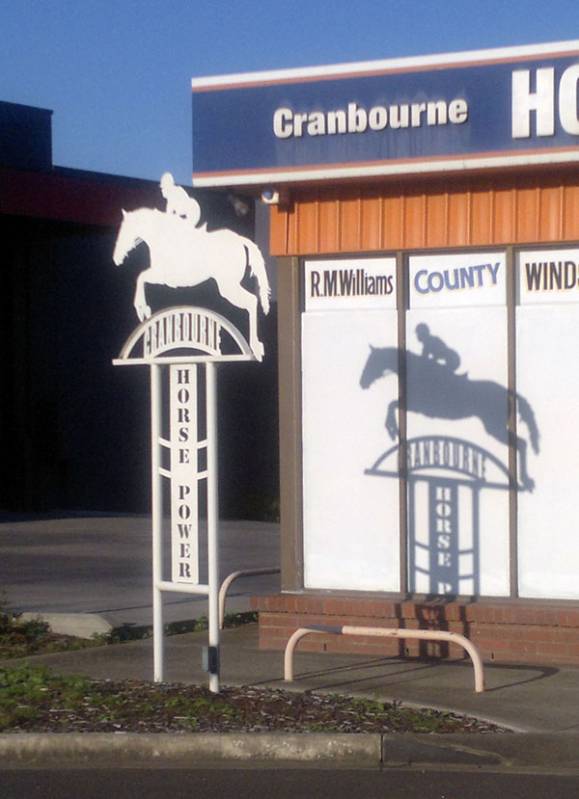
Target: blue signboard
(474, 110)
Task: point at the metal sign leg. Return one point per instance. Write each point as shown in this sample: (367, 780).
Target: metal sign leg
(157, 519)
(212, 525)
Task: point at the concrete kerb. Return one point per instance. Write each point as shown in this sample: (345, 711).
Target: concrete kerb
(22, 749)
(532, 752)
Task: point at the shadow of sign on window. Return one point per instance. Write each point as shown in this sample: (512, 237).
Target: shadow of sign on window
(449, 471)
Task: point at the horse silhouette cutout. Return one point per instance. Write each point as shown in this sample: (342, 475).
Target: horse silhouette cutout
(439, 393)
(183, 255)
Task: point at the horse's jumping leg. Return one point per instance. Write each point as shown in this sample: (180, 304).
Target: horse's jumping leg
(527, 482)
(245, 300)
(391, 421)
(500, 432)
(140, 301)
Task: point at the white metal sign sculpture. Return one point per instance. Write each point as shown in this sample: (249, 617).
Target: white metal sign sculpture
(183, 255)
(187, 342)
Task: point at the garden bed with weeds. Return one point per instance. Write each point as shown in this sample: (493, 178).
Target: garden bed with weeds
(32, 699)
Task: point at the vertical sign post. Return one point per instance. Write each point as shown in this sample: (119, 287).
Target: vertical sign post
(212, 517)
(157, 520)
(192, 461)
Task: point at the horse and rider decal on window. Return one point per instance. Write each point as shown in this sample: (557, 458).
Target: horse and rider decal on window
(442, 393)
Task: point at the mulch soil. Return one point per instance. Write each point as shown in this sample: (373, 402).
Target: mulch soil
(133, 706)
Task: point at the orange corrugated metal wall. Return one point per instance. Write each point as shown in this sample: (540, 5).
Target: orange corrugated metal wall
(457, 213)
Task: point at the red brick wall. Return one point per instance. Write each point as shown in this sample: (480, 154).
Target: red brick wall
(504, 631)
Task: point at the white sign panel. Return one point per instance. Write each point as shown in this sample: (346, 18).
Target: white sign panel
(548, 276)
(351, 519)
(457, 280)
(458, 502)
(548, 375)
(347, 284)
(184, 499)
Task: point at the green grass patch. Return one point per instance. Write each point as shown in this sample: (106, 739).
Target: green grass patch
(26, 693)
(33, 698)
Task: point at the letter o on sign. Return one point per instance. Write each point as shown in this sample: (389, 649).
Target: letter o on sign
(435, 281)
(378, 118)
(443, 510)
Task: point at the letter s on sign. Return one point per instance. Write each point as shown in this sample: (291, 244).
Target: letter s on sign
(282, 123)
(416, 280)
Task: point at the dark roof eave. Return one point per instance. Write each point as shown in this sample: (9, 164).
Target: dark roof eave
(68, 195)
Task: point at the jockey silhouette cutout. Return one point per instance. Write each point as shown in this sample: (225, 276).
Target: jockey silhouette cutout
(434, 348)
(178, 201)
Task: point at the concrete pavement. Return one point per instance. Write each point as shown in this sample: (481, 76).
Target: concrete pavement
(100, 565)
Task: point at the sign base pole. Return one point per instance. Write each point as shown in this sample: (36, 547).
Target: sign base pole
(212, 525)
(157, 520)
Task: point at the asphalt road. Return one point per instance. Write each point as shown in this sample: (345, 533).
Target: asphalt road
(282, 784)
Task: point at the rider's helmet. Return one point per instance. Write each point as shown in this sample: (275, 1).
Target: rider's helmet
(422, 331)
(167, 182)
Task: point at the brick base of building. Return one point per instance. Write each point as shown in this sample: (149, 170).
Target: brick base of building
(521, 631)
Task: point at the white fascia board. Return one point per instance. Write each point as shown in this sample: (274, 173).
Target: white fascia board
(425, 167)
(406, 63)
